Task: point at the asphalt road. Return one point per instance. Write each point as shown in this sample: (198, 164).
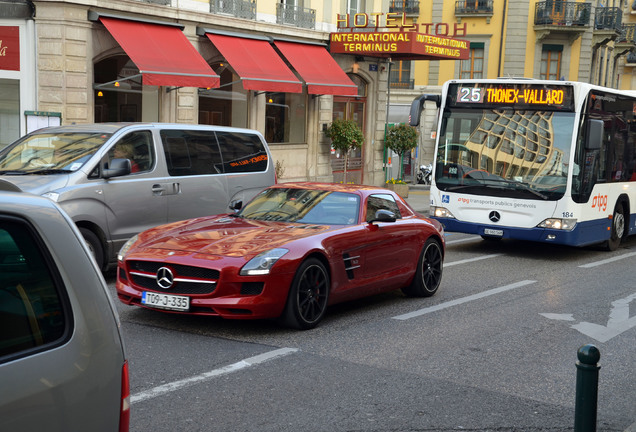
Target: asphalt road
(494, 350)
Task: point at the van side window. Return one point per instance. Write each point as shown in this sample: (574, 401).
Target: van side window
(31, 310)
(381, 202)
(137, 147)
(191, 152)
(242, 152)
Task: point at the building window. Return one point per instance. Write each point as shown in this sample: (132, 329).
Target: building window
(9, 111)
(401, 75)
(226, 105)
(285, 117)
(355, 6)
(551, 62)
(473, 67)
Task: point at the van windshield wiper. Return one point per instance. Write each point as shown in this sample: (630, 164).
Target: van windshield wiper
(12, 172)
(49, 171)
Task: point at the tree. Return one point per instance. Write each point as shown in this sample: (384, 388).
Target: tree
(345, 136)
(401, 138)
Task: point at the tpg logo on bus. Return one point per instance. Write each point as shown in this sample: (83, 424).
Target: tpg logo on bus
(600, 202)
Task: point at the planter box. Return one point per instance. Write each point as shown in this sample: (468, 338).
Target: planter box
(400, 189)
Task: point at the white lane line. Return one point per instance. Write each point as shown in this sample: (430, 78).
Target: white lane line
(176, 385)
(449, 264)
(609, 260)
(463, 300)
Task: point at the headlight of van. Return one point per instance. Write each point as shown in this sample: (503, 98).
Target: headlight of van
(558, 224)
(126, 247)
(262, 263)
(53, 196)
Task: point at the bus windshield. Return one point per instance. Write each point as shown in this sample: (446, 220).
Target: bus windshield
(504, 152)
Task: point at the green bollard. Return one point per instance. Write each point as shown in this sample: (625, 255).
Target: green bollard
(586, 388)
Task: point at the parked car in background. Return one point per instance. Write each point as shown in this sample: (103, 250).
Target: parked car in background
(289, 253)
(116, 180)
(62, 361)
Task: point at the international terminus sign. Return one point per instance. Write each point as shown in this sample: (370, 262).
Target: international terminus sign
(398, 39)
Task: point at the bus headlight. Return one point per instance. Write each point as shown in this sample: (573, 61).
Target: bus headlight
(558, 224)
(440, 212)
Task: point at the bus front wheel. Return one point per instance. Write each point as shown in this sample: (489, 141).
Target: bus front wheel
(618, 228)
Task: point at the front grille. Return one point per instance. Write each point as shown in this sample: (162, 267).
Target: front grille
(206, 279)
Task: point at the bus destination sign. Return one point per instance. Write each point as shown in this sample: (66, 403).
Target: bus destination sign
(542, 96)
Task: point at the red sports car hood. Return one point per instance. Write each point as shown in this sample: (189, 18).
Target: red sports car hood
(228, 236)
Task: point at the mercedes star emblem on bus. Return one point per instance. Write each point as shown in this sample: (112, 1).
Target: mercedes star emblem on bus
(494, 216)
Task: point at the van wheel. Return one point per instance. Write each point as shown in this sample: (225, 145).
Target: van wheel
(94, 245)
(618, 228)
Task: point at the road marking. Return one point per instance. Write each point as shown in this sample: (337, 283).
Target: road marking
(479, 258)
(176, 385)
(463, 300)
(609, 260)
(617, 323)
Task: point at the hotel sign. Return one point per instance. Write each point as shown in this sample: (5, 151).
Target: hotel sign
(436, 42)
(10, 48)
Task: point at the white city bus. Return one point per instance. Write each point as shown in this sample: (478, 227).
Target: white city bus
(546, 161)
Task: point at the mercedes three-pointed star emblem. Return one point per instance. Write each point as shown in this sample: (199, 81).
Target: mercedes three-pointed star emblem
(165, 278)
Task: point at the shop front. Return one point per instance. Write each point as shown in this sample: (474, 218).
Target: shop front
(16, 69)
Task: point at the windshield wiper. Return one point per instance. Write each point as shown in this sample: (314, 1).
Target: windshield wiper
(518, 186)
(49, 171)
(12, 172)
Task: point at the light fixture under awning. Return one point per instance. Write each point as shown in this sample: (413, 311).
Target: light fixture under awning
(163, 54)
(257, 63)
(317, 68)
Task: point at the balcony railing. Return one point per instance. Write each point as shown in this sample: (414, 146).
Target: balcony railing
(409, 7)
(627, 34)
(238, 8)
(296, 16)
(562, 13)
(469, 7)
(608, 18)
(397, 80)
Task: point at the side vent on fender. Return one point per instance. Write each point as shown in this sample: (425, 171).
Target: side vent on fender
(351, 263)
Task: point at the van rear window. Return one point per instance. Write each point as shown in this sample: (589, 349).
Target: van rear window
(242, 152)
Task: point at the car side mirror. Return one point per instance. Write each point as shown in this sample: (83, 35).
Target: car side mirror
(236, 205)
(383, 216)
(117, 167)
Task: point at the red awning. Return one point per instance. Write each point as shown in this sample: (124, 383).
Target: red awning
(257, 63)
(163, 54)
(319, 70)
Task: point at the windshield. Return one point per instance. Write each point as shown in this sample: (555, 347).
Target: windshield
(308, 206)
(50, 153)
(504, 152)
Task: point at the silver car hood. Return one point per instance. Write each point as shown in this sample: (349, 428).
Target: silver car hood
(37, 184)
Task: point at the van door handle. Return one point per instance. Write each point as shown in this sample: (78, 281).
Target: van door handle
(158, 189)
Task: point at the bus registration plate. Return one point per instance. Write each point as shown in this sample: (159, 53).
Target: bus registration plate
(493, 232)
(165, 301)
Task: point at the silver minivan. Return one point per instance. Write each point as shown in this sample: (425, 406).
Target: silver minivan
(118, 179)
(63, 366)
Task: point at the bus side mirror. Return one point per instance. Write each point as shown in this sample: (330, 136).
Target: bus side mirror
(418, 103)
(594, 136)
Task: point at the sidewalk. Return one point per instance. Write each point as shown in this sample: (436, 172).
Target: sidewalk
(419, 198)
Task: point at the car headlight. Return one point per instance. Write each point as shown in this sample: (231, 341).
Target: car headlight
(262, 263)
(126, 247)
(558, 224)
(441, 212)
(53, 196)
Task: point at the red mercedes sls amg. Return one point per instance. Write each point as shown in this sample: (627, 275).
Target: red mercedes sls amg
(289, 253)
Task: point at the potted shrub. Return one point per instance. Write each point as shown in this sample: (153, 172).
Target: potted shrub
(401, 138)
(345, 135)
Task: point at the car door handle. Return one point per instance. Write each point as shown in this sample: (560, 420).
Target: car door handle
(158, 189)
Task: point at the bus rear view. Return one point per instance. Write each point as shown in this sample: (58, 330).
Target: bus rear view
(545, 161)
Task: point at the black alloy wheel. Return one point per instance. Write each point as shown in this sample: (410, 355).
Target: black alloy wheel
(308, 295)
(428, 275)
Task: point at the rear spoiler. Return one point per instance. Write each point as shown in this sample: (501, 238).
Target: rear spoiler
(418, 103)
